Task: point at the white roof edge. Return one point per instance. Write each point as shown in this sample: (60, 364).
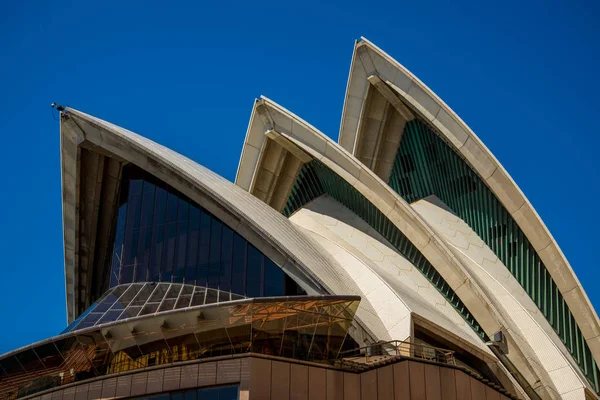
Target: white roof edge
(589, 313)
(468, 288)
(348, 82)
(237, 180)
(268, 230)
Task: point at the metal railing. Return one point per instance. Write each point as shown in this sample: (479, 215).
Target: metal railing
(367, 356)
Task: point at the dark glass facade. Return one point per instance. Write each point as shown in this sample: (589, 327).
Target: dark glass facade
(137, 299)
(213, 393)
(162, 236)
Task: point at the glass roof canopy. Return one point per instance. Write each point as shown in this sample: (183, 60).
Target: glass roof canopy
(137, 299)
(299, 327)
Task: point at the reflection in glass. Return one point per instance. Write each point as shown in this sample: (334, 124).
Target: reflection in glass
(305, 328)
(162, 235)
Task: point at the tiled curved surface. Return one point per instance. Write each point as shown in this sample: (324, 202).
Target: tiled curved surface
(369, 60)
(269, 231)
(529, 326)
(320, 147)
(454, 269)
(391, 283)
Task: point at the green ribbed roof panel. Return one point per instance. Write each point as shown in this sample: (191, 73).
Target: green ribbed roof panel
(426, 165)
(316, 179)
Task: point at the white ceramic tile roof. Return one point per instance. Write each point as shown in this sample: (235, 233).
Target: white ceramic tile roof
(370, 60)
(273, 227)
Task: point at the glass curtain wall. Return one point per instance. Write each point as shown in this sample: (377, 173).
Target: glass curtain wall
(163, 236)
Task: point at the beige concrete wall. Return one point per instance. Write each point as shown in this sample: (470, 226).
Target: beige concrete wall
(276, 379)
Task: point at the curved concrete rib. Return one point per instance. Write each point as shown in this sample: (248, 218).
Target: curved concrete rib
(397, 289)
(268, 230)
(410, 223)
(367, 61)
(528, 323)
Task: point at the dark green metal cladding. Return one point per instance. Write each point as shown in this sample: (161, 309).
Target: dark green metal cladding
(315, 179)
(426, 165)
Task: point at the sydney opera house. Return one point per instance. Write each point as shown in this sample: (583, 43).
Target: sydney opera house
(400, 262)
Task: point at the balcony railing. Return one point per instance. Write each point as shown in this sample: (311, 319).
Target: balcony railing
(384, 352)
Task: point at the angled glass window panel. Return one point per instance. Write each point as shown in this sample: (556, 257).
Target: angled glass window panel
(49, 356)
(143, 254)
(198, 297)
(110, 316)
(212, 296)
(172, 203)
(129, 294)
(180, 249)
(132, 227)
(191, 266)
(238, 268)
(186, 290)
(118, 305)
(169, 251)
(29, 360)
(90, 320)
(292, 288)
(147, 205)
(177, 396)
(143, 295)
(158, 233)
(254, 272)
(183, 211)
(117, 254)
(274, 279)
(74, 324)
(226, 258)
(11, 366)
(149, 308)
(183, 301)
(236, 296)
(167, 305)
(203, 249)
(107, 302)
(224, 296)
(127, 272)
(182, 233)
(135, 183)
(160, 206)
(159, 293)
(173, 291)
(130, 312)
(216, 230)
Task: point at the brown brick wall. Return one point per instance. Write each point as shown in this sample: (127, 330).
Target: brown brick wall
(275, 379)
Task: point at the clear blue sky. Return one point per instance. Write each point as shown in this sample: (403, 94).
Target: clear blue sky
(523, 75)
